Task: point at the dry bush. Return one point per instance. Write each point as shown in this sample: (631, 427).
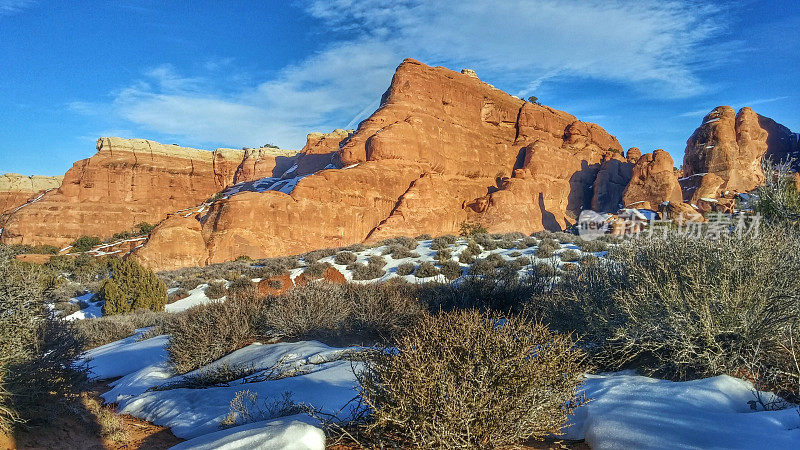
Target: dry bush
(546, 249)
(367, 271)
(405, 269)
(593, 246)
(425, 270)
(316, 269)
(216, 290)
(208, 332)
(569, 255)
(467, 380)
(424, 237)
(486, 241)
(102, 330)
(37, 350)
(245, 408)
(685, 307)
(345, 258)
(399, 252)
(450, 269)
(316, 255)
(443, 242)
(372, 311)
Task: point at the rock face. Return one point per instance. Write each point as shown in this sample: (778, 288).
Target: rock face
(653, 182)
(731, 145)
(263, 163)
(444, 148)
(126, 182)
(613, 178)
(16, 190)
(320, 151)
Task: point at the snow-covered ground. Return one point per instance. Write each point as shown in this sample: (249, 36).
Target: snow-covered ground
(625, 411)
(196, 297)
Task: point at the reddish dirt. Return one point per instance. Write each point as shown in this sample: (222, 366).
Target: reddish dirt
(80, 430)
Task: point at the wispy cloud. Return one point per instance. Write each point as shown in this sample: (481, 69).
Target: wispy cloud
(761, 101)
(650, 45)
(8, 7)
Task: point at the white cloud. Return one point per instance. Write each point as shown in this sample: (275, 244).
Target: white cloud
(654, 46)
(760, 101)
(8, 7)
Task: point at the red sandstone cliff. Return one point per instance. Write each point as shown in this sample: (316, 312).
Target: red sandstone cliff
(126, 182)
(443, 148)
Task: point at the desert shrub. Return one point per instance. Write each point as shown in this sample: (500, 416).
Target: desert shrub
(443, 242)
(528, 242)
(545, 269)
(777, 199)
(373, 311)
(37, 350)
(241, 285)
(144, 227)
(376, 261)
(85, 243)
(207, 332)
(468, 229)
(407, 242)
(367, 271)
(466, 257)
(425, 270)
(424, 237)
(266, 268)
(356, 248)
(344, 258)
(405, 269)
(216, 290)
(569, 266)
(244, 258)
(545, 249)
(442, 255)
(399, 252)
(315, 255)
(450, 269)
(431, 392)
(685, 307)
(589, 259)
(316, 269)
(102, 330)
(129, 287)
(506, 243)
(569, 255)
(496, 259)
(515, 254)
(485, 241)
(565, 238)
(187, 284)
(593, 246)
(483, 267)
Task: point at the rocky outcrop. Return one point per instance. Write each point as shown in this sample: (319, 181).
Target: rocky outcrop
(653, 182)
(16, 190)
(613, 178)
(264, 162)
(321, 150)
(731, 146)
(126, 182)
(444, 148)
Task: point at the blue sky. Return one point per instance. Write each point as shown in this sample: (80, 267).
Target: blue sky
(244, 73)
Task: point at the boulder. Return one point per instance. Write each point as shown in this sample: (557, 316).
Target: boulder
(653, 181)
(633, 154)
(613, 178)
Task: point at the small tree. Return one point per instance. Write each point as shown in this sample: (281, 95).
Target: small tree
(131, 287)
(85, 243)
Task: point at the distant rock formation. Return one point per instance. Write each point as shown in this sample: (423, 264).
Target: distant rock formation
(731, 146)
(653, 182)
(129, 181)
(444, 148)
(16, 189)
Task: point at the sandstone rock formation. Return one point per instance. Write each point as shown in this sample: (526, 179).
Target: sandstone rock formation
(264, 162)
(731, 146)
(126, 182)
(653, 182)
(444, 148)
(320, 151)
(613, 178)
(16, 190)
